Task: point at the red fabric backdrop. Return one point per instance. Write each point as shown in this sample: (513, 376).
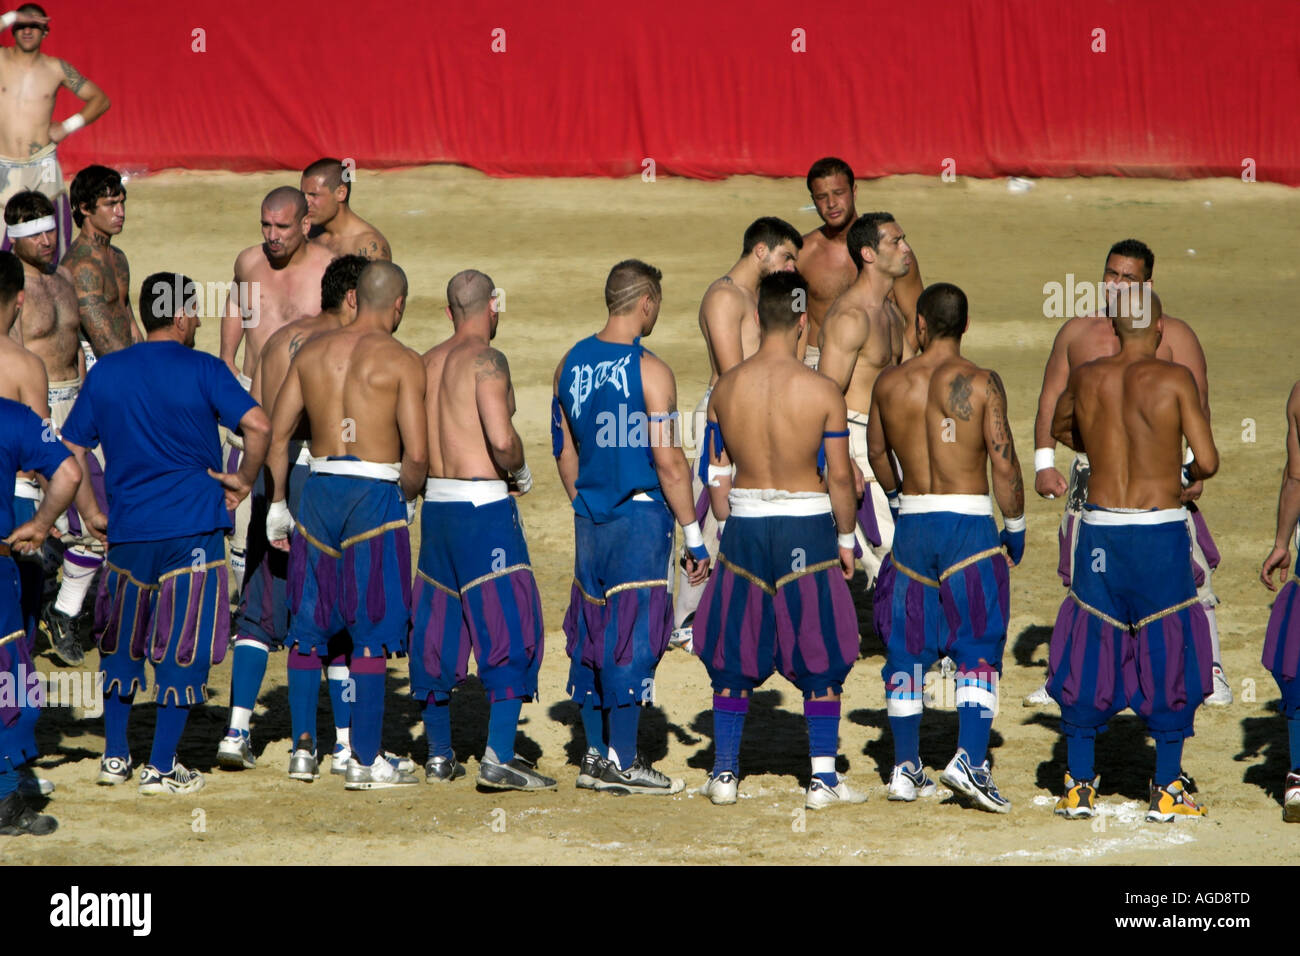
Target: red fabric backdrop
(1184, 88)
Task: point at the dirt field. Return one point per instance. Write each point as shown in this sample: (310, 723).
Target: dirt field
(549, 244)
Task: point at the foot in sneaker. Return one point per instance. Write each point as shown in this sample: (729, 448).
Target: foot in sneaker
(340, 759)
(682, 637)
(589, 771)
(303, 765)
(1222, 695)
(514, 774)
(380, 775)
(1079, 802)
(638, 778)
(1039, 698)
(722, 789)
(442, 770)
(18, 819)
(907, 783)
(1171, 802)
(114, 770)
(33, 787)
(235, 752)
(819, 796)
(974, 785)
(178, 780)
(65, 641)
(404, 764)
(1291, 799)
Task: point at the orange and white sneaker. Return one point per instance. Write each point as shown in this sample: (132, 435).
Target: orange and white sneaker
(1079, 802)
(1169, 803)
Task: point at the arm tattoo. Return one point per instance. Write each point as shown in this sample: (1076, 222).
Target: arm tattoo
(295, 344)
(75, 81)
(102, 327)
(959, 397)
(491, 364)
(996, 406)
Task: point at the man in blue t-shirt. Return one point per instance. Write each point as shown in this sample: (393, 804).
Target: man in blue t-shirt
(24, 447)
(614, 435)
(154, 409)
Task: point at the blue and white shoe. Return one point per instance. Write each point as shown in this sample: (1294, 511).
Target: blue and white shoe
(974, 785)
(907, 784)
(235, 752)
(114, 770)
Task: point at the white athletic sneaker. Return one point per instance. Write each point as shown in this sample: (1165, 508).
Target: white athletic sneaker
(819, 796)
(380, 775)
(973, 784)
(1291, 800)
(1039, 698)
(178, 780)
(1222, 695)
(907, 784)
(721, 790)
(235, 752)
(682, 637)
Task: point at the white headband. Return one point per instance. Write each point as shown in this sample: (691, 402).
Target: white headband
(21, 230)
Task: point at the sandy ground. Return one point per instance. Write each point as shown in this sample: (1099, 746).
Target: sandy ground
(549, 244)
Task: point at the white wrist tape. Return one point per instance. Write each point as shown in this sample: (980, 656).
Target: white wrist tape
(1044, 458)
(1013, 524)
(8, 20)
(73, 123)
(1188, 457)
(694, 537)
(278, 521)
(523, 478)
(718, 471)
(33, 227)
(846, 541)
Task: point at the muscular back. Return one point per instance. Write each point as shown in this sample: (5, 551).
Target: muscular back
(866, 339)
(280, 350)
(772, 412)
(351, 382)
(50, 321)
(456, 375)
(22, 378)
(101, 279)
(729, 324)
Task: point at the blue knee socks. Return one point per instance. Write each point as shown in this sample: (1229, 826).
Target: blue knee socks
(167, 736)
(437, 727)
(304, 692)
(368, 709)
(503, 721)
(1169, 758)
(823, 717)
(907, 740)
(623, 723)
(1080, 749)
(728, 725)
(593, 726)
(116, 711)
(8, 782)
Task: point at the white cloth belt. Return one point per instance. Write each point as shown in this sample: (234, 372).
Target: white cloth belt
(477, 493)
(27, 488)
(357, 469)
(304, 456)
(977, 505)
(1119, 516)
(774, 502)
(1082, 458)
(63, 391)
(861, 419)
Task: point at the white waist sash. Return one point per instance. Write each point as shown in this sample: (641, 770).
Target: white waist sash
(304, 455)
(27, 488)
(1124, 516)
(976, 505)
(477, 493)
(774, 502)
(357, 469)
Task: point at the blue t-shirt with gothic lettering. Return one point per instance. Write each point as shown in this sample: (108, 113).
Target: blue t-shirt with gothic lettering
(154, 409)
(26, 444)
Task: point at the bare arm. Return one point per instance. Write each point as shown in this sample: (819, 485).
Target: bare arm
(495, 397)
(1056, 375)
(1288, 499)
(232, 324)
(413, 424)
(1008, 484)
(1063, 429)
(566, 462)
(907, 290)
(285, 415)
(28, 537)
(660, 390)
(839, 480)
(719, 487)
(1196, 426)
(34, 392)
(882, 463)
(96, 100)
(95, 312)
(723, 310)
(843, 336)
(137, 332)
(88, 508)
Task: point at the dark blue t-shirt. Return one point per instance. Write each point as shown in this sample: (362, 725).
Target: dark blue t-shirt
(26, 444)
(154, 409)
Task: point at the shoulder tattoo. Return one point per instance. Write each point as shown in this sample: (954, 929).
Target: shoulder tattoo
(75, 80)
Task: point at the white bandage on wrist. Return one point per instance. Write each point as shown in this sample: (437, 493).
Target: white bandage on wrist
(246, 382)
(73, 123)
(278, 521)
(694, 537)
(1188, 456)
(33, 227)
(1044, 458)
(523, 478)
(846, 541)
(716, 472)
(8, 20)
(1013, 524)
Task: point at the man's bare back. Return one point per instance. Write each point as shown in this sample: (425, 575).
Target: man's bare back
(279, 350)
(455, 373)
(50, 321)
(362, 239)
(22, 377)
(101, 278)
(282, 295)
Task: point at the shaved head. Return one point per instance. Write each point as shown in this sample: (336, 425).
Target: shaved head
(286, 196)
(381, 284)
(468, 294)
(1137, 313)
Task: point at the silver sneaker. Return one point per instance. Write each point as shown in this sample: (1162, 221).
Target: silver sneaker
(380, 775)
(638, 778)
(589, 771)
(1222, 695)
(721, 790)
(516, 774)
(442, 770)
(235, 752)
(340, 760)
(303, 766)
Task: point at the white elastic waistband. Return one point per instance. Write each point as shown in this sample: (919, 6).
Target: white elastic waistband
(357, 469)
(1120, 516)
(304, 455)
(977, 505)
(476, 493)
(773, 502)
(63, 391)
(27, 488)
(1082, 458)
(859, 418)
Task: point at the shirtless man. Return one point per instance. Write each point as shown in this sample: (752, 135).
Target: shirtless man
(475, 586)
(729, 323)
(275, 283)
(864, 333)
(1131, 625)
(363, 394)
(49, 326)
(262, 621)
(774, 419)
(29, 85)
(98, 271)
(945, 420)
(328, 188)
(825, 261)
(1081, 339)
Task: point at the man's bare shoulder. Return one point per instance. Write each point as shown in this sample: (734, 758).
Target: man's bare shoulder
(370, 242)
(814, 240)
(489, 363)
(723, 293)
(1178, 334)
(317, 257)
(846, 309)
(250, 260)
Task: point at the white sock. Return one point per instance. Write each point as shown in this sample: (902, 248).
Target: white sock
(238, 562)
(79, 567)
(343, 737)
(613, 758)
(239, 718)
(1215, 654)
(823, 765)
